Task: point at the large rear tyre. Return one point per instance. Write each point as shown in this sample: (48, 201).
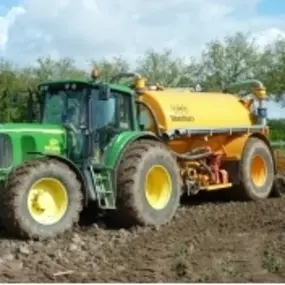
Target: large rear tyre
(148, 185)
(256, 171)
(41, 199)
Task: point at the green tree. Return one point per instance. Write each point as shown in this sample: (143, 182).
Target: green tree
(49, 69)
(164, 68)
(277, 129)
(224, 62)
(111, 67)
(272, 69)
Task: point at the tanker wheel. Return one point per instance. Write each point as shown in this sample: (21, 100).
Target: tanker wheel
(256, 171)
(148, 185)
(279, 186)
(42, 199)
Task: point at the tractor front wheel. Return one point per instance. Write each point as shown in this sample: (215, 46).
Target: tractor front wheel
(148, 185)
(41, 199)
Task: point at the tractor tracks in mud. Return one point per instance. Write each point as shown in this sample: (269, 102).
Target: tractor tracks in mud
(206, 241)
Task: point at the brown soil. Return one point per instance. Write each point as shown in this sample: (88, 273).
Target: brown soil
(226, 242)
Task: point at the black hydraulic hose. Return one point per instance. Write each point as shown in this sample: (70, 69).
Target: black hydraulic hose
(208, 169)
(124, 74)
(193, 156)
(199, 156)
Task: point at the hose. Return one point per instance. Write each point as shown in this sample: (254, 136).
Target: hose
(191, 156)
(124, 74)
(256, 84)
(208, 169)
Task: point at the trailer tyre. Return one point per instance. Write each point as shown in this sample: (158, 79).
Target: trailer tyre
(256, 171)
(279, 186)
(41, 199)
(148, 185)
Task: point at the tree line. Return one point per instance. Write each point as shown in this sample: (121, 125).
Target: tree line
(221, 62)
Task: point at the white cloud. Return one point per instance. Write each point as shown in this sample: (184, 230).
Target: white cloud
(268, 36)
(6, 22)
(95, 28)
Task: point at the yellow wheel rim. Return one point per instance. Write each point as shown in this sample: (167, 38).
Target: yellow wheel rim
(47, 201)
(258, 170)
(158, 187)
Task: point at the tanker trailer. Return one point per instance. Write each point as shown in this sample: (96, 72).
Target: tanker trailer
(133, 151)
(217, 139)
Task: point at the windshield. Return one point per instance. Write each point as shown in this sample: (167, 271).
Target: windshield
(65, 107)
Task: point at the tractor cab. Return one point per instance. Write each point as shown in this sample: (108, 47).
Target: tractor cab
(64, 103)
(93, 113)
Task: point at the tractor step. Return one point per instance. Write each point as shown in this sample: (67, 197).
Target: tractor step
(104, 188)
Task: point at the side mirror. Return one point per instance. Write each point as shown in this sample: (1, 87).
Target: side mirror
(104, 92)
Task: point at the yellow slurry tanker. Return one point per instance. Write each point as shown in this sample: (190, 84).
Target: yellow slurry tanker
(133, 150)
(217, 139)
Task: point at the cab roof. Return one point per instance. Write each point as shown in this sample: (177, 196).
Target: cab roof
(115, 87)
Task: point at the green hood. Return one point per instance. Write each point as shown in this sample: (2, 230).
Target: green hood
(18, 142)
(32, 128)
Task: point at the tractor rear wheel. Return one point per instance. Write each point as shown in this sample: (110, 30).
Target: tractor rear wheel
(148, 185)
(256, 171)
(41, 199)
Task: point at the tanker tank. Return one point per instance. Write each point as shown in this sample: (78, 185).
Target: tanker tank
(176, 110)
(193, 119)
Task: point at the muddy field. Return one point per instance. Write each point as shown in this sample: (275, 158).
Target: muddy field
(207, 241)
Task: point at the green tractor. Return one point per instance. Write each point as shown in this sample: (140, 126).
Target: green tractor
(87, 147)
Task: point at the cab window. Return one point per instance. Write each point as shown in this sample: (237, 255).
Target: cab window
(115, 112)
(146, 120)
(124, 111)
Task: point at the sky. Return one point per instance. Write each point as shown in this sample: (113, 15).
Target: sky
(85, 29)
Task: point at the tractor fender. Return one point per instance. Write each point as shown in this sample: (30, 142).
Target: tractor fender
(122, 146)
